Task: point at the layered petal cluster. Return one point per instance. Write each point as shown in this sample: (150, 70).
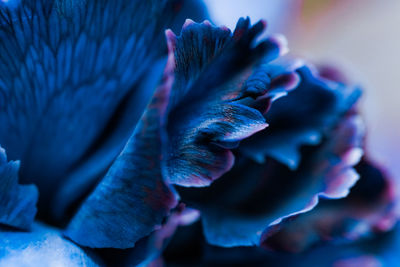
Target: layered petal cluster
(244, 206)
(193, 140)
(367, 210)
(213, 103)
(302, 118)
(337, 232)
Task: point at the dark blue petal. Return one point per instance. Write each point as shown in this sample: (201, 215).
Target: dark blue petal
(301, 118)
(278, 78)
(132, 200)
(43, 246)
(207, 114)
(17, 202)
(247, 203)
(367, 210)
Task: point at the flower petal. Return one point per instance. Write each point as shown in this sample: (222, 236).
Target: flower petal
(75, 78)
(17, 202)
(132, 200)
(301, 118)
(368, 209)
(247, 203)
(149, 248)
(207, 114)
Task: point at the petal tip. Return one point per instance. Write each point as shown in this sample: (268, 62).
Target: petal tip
(187, 23)
(282, 43)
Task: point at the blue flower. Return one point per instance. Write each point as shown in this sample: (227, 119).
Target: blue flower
(105, 117)
(116, 132)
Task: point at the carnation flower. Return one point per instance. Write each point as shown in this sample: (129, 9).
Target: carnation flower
(120, 127)
(76, 80)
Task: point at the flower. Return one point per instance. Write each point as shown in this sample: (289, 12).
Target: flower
(117, 137)
(104, 126)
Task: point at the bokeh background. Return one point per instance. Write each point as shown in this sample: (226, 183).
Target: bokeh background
(362, 37)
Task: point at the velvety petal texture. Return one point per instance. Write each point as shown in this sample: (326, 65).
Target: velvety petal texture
(207, 113)
(17, 202)
(132, 200)
(75, 78)
(302, 118)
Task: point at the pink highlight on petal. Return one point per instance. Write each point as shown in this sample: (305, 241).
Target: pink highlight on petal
(171, 44)
(171, 40)
(282, 43)
(386, 223)
(296, 64)
(294, 82)
(224, 28)
(264, 22)
(189, 216)
(340, 186)
(353, 156)
(333, 74)
(287, 81)
(245, 133)
(312, 204)
(207, 23)
(187, 23)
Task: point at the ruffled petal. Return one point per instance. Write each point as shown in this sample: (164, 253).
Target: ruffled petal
(369, 209)
(246, 204)
(43, 246)
(17, 202)
(207, 113)
(301, 118)
(132, 200)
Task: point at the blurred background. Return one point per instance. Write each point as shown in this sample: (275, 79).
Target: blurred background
(362, 37)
